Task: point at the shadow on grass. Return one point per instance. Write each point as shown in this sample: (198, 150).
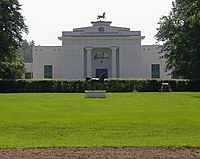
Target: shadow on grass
(196, 96)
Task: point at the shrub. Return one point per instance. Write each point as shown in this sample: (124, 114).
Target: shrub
(110, 85)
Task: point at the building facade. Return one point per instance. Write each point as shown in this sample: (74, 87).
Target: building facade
(91, 51)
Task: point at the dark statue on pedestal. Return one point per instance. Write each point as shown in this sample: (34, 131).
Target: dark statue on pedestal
(95, 83)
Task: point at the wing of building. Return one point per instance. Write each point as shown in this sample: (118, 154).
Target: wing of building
(91, 51)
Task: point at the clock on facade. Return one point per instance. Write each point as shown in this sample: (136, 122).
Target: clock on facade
(101, 29)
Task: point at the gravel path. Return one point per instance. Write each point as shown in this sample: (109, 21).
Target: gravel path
(101, 153)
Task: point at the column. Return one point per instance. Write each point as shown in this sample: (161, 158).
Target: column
(89, 61)
(114, 61)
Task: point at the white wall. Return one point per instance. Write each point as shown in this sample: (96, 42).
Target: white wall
(129, 59)
(68, 61)
(149, 55)
(73, 63)
(47, 55)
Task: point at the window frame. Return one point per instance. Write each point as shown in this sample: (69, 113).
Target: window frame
(48, 73)
(155, 70)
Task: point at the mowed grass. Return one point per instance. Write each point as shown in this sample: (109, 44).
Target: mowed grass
(121, 119)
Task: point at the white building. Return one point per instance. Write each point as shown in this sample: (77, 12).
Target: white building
(100, 48)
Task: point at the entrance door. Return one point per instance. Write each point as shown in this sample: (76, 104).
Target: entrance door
(100, 71)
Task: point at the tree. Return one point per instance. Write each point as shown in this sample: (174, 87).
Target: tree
(26, 51)
(180, 34)
(11, 28)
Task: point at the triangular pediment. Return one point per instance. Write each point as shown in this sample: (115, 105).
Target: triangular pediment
(101, 28)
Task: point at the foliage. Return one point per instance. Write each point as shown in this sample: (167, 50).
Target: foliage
(25, 51)
(110, 85)
(121, 119)
(12, 68)
(11, 28)
(180, 34)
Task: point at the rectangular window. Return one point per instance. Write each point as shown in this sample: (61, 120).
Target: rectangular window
(48, 71)
(155, 71)
(28, 75)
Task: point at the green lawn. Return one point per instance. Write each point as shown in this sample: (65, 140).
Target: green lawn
(121, 119)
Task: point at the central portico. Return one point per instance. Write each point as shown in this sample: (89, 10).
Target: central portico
(101, 48)
(101, 60)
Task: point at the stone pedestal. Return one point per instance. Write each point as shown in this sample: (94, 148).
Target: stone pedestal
(95, 93)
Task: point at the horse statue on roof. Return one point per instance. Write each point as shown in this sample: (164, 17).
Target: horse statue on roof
(95, 83)
(99, 17)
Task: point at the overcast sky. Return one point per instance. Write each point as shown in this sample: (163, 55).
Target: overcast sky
(47, 19)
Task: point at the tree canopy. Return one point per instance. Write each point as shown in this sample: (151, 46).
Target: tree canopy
(180, 34)
(11, 28)
(26, 51)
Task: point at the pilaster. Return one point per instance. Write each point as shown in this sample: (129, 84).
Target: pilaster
(89, 61)
(114, 61)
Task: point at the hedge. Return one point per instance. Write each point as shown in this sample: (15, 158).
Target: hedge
(110, 85)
